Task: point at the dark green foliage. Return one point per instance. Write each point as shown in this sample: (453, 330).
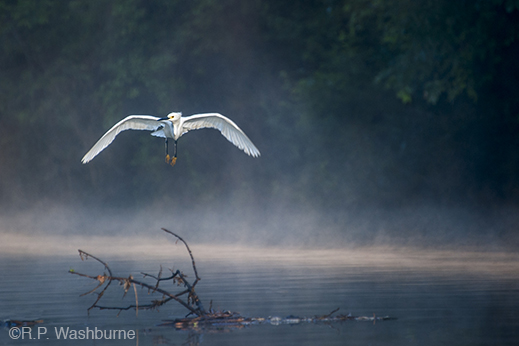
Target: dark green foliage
(360, 101)
(452, 62)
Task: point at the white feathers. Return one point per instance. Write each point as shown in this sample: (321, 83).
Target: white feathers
(132, 122)
(174, 126)
(226, 126)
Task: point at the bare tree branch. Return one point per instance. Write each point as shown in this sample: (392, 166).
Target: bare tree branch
(192, 302)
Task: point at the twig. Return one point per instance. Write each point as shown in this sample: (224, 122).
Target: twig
(177, 277)
(192, 295)
(190, 254)
(84, 256)
(142, 284)
(136, 300)
(331, 313)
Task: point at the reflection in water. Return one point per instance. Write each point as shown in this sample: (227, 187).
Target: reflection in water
(439, 297)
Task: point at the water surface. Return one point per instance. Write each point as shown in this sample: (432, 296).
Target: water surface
(439, 297)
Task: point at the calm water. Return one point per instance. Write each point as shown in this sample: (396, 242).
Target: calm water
(439, 298)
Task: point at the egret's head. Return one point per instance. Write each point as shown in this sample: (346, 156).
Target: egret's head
(173, 116)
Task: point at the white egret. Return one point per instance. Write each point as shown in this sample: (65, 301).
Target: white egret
(174, 126)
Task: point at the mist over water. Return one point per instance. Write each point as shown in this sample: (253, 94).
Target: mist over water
(227, 224)
(345, 190)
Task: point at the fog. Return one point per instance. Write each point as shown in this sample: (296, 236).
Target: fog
(419, 227)
(345, 161)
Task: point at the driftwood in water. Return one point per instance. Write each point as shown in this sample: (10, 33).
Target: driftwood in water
(187, 297)
(232, 320)
(20, 323)
(197, 317)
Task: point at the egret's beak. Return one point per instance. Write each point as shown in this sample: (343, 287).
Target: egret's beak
(165, 118)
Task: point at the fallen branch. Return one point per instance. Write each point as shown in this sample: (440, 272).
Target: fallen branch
(203, 319)
(192, 303)
(227, 320)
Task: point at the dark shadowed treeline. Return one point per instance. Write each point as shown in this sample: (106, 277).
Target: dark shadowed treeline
(351, 103)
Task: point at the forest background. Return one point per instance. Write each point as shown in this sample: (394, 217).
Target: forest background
(377, 121)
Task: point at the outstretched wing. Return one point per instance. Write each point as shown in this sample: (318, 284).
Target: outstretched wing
(226, 126)
(132, 122)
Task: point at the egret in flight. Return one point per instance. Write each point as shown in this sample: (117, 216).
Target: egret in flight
(174, 126)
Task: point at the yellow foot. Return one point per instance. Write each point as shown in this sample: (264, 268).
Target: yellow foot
(167, 158)
(173, 161)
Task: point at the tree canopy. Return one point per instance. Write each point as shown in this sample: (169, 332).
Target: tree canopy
(350, 101)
